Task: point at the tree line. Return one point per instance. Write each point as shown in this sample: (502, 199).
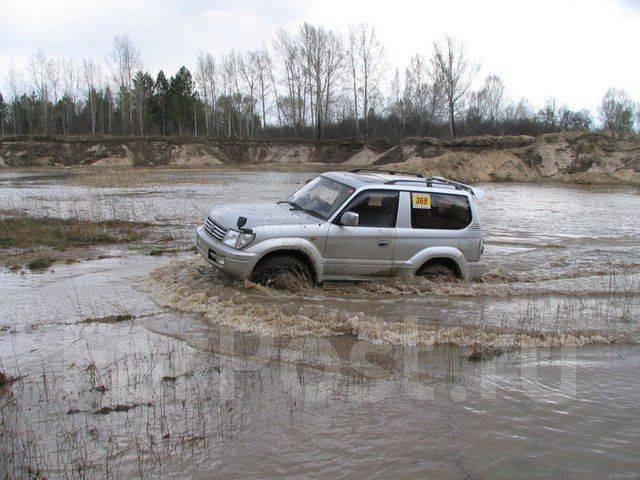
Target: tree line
(313, 83)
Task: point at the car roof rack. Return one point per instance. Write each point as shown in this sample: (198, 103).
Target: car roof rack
(430, 181)
(389, 172)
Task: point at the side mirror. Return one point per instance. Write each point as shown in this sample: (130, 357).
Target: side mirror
(242, 221)
(350, 219)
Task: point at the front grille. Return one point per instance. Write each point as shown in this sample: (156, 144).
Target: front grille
(214, 229)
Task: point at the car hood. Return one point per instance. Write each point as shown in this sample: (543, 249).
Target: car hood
(260, 214)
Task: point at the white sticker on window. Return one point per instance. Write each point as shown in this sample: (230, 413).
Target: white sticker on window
(421, 200)
(376, 200)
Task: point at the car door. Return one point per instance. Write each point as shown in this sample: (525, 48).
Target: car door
(365, 250)
(430, 219)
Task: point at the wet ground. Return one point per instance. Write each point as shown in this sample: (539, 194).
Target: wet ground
(213, 377)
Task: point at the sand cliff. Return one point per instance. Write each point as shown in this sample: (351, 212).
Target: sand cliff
(572, 157)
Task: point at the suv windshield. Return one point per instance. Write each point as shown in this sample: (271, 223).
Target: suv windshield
(321, 197)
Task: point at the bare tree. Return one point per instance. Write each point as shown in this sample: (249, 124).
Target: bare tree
(15, 83)
(274, 89)
(616, 111)
(322, 51)
(70, 91)
(250, 72)
(125, 62)
(492, 97)
(423, 94)
(549, 115)
(55, 81)
(367, 62)
(206, 79)
(231, 88)
(264, 71)
(39, 67)
(333, 74)
(523, 110)
(91, 73)
(353, 67)
(292, 105)
(143, 89)
(309, 83)
(455, 72)
(397, 102)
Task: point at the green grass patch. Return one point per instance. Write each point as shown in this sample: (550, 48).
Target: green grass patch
(40, 263)
(60, 234)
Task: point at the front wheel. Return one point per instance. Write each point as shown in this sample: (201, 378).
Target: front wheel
(282, 272)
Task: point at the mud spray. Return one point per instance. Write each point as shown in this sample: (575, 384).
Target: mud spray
(189, 285)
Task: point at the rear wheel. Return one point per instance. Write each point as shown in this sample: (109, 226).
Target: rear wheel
(283, 272)
(439, 270)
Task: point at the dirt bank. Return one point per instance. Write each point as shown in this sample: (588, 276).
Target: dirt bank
(567, 157)
(28, 151)
(572, 157)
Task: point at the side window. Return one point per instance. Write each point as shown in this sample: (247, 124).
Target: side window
(376, 208)
(440, 211)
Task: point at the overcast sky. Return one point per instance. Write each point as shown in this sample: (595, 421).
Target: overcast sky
(570, 50)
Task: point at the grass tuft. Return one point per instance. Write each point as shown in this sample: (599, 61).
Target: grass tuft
(40, 263)
(60, 233)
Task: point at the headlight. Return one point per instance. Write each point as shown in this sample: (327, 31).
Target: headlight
(238, 240)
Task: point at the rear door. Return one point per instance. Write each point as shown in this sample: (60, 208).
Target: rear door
(431, 219)
(367, 249)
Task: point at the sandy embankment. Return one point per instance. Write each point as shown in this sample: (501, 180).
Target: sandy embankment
(571, 157)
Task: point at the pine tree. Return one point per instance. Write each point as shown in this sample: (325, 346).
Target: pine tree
(159, 101)
(181, 98)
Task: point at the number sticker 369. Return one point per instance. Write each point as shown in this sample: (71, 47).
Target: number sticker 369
(421, 200)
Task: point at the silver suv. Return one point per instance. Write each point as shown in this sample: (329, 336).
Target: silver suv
(358, 225)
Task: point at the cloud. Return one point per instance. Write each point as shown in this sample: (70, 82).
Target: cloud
(631, 4)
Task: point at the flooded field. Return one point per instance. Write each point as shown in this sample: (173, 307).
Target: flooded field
(131, 363)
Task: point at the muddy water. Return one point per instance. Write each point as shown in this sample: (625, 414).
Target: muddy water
(370, 380)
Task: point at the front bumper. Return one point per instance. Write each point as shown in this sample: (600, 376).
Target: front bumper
(237, 263)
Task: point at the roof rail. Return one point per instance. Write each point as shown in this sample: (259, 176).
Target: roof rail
(390, 172)
(409, 180)
(457, 185)
(476, 192)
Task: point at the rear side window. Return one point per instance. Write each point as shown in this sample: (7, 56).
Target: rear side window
(440, 211)
(376, 208)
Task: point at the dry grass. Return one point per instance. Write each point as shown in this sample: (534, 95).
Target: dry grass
(61, 234)
(137, 177)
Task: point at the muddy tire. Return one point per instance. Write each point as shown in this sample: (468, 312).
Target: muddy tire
(282, 272)
(437, 271)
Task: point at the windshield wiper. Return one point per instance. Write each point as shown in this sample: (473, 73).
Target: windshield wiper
(310, 212)
(295, 206)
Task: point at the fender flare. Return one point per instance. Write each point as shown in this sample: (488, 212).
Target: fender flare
(420, 258)
(288, 244)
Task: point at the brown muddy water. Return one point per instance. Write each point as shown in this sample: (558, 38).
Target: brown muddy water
(133, 365)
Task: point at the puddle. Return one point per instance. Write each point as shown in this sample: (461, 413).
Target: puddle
(212, 377)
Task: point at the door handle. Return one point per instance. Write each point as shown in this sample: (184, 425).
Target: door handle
(383, 243)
